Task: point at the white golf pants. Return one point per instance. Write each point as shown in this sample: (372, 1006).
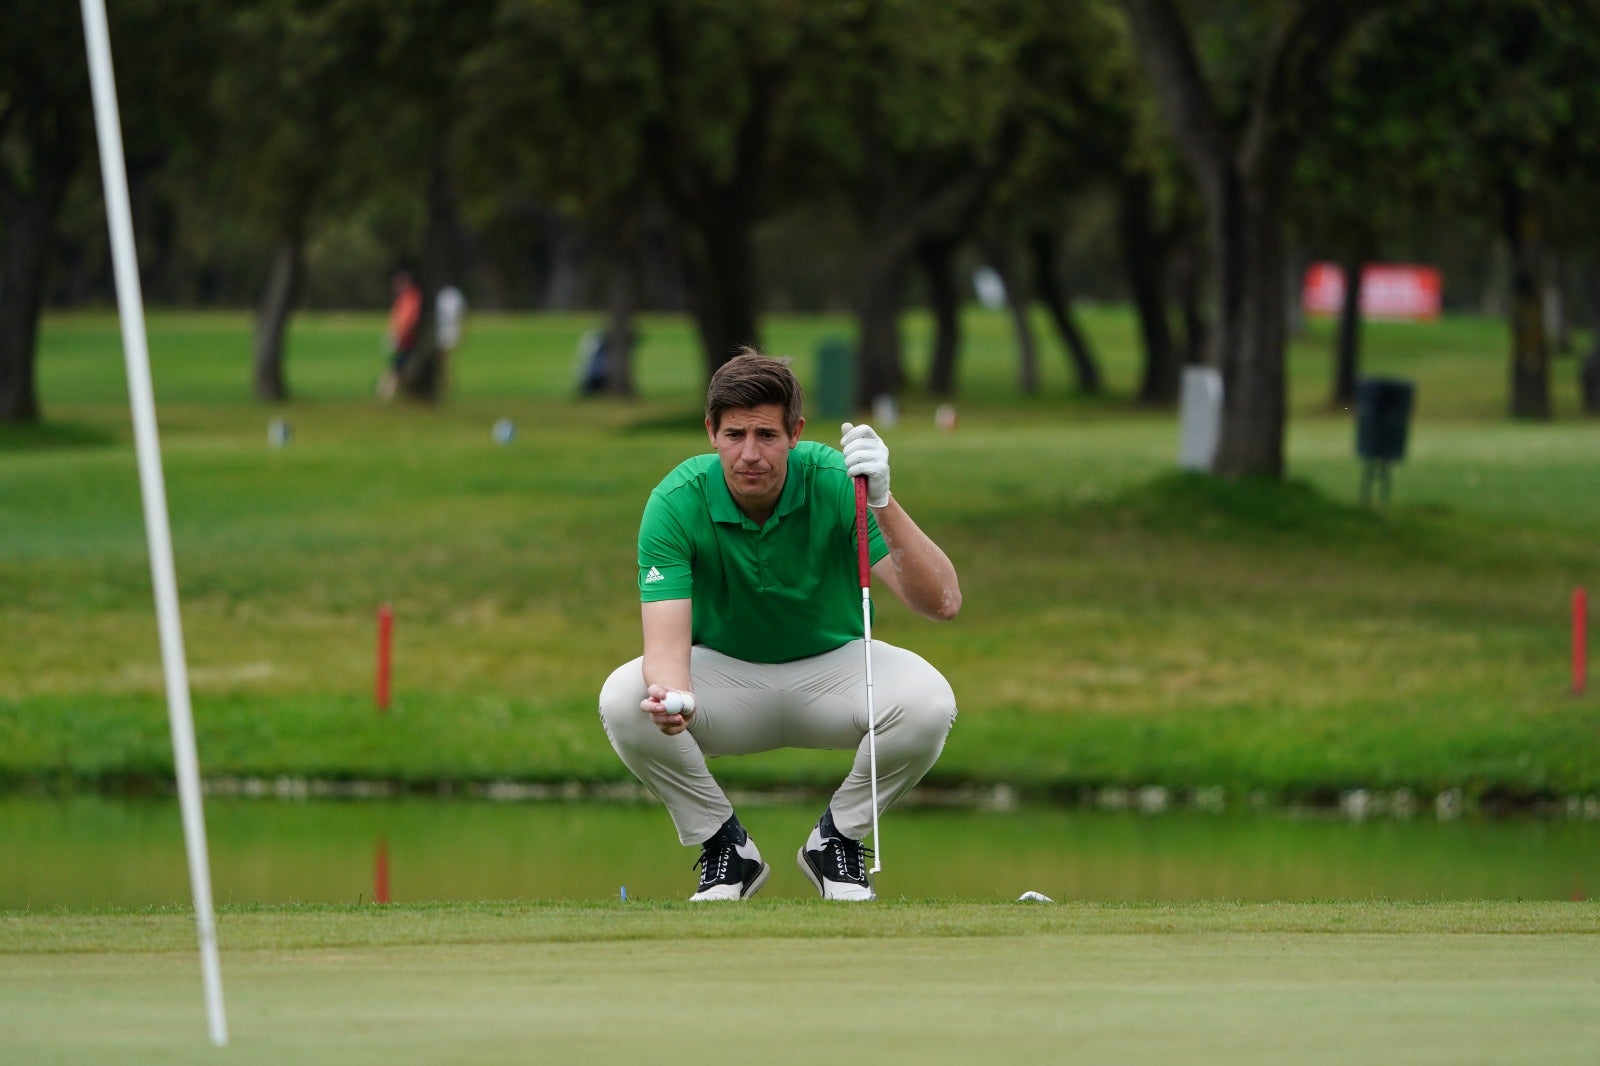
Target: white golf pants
(742, 708)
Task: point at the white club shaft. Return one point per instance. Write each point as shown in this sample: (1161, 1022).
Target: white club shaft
(872, 727)
(130, 304)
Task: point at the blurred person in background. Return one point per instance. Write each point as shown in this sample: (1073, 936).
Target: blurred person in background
(400, 339)
(449, 311)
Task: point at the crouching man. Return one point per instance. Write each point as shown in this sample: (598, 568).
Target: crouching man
(751, 607)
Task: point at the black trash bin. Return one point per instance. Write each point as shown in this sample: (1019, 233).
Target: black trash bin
(1383, 416)
(1383, 422)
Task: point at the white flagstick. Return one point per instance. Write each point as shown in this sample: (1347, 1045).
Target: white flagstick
(130, 305)
(865, 567)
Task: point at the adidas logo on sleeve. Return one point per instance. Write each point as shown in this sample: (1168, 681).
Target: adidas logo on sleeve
(652, 576)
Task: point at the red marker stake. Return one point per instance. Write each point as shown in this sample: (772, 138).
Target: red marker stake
(1580, 640)
(385, 641)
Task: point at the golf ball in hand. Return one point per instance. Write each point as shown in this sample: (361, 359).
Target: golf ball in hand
(678, 702)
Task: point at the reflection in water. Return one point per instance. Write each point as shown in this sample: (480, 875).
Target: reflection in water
(87, 851)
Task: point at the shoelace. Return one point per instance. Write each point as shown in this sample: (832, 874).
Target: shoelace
(713, 863)
(849, 858)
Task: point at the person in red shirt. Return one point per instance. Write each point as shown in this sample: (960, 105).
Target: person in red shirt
(401, 337)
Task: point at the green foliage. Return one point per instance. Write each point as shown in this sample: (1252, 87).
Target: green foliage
(44, 90)
(1438, 103)
(302, 112)
(908, 80)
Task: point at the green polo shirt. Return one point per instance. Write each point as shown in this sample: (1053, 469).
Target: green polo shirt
(772, 593)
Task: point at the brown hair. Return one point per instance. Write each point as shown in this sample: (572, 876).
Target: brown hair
(751, 379)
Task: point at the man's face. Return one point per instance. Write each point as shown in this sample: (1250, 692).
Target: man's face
(754, 449)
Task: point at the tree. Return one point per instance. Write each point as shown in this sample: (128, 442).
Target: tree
(297, 108)
(925, 125)
(626, 114)
(1475, 108)
(553, 115)
(721, 70)
(1082, 89)
(44, 123)
(1356, 182)
(1240, 130)
(426, 64)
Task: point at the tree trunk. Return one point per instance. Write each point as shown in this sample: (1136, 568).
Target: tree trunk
(999, 255)
(1191, 300)
(1557, 323)
(904, 203)
(622, 302)
(717, 201)
(1146, 266)
(1243, 169)
(41, 144)
(567, 261)
(272, 320)
(879, 366)
(1589, 372)
(424, 375)
(1249, 343)
(936, 258)
(722, 280)
(1530, 356)
(1042, 247)
(29, 231)
(1347, 345)
(661, 281)
(1294, 312)
(1589, 380)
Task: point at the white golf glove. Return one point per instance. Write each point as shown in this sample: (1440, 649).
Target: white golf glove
(865, 453)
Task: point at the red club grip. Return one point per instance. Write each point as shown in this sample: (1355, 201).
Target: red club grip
(862, 554)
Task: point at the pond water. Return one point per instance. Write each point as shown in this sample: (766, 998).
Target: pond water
(90, 851)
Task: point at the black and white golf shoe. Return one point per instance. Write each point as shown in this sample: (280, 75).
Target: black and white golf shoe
(730, 865)
(835, 864)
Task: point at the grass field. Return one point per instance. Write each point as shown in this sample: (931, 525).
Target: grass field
(1123, 625)
(903, 982)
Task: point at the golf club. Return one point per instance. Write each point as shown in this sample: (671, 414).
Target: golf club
(865, 566)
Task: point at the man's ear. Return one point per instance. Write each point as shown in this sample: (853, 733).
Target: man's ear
(799, 426)
(711, 434)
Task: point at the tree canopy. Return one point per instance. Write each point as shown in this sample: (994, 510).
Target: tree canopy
(624, 155)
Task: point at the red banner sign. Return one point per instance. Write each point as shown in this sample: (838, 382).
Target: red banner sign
(1388, 290)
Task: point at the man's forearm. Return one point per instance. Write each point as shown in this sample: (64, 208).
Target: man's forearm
(925, 576)
(667, 637)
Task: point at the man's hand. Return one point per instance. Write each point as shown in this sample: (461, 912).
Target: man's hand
(866, 454)
(670, 722)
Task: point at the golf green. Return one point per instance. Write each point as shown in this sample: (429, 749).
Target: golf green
(923, 982)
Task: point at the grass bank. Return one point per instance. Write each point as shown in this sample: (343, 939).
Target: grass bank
(913, 981)
(1124, 625)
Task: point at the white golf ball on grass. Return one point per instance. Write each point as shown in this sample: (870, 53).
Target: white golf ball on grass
(678, 702)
